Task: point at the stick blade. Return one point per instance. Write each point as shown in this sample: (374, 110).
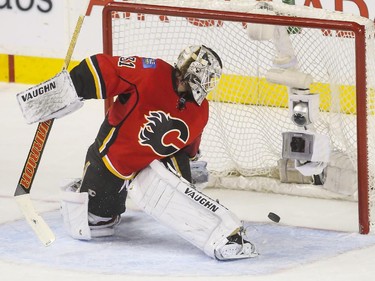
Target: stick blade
(37, 223)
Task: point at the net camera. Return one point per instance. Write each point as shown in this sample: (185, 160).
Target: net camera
(303, 107)
(297, 146)
(305, 146)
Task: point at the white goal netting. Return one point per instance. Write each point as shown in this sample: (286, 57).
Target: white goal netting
(243, 139)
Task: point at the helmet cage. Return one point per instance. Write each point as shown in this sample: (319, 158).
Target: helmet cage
(204, 71)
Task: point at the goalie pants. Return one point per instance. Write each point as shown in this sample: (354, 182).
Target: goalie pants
(107, 192)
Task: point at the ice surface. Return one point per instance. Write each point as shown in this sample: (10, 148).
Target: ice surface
(326, 247)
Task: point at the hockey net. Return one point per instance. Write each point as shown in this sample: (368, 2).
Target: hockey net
(242, 142)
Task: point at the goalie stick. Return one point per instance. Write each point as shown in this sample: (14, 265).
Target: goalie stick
(22, 192)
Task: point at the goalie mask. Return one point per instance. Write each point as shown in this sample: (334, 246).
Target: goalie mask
(201, 67)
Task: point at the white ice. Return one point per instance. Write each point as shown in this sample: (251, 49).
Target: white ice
(346, 260)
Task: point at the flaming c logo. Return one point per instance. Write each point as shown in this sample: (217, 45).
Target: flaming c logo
(163, 133)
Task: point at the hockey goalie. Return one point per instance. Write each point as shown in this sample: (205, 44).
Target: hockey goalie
(144, 148)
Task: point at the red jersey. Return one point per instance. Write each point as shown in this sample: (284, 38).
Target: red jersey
(144, 123)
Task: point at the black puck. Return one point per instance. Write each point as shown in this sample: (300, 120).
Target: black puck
(273, 217)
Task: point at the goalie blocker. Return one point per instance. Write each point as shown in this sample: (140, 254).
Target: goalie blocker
(51, 99)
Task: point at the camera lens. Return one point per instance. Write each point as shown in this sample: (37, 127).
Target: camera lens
(297, 144)
(299, 119)
(300, 114)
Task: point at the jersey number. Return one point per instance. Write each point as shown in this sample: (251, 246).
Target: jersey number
(127, 62)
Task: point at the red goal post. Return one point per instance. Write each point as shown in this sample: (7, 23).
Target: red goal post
(133, 29)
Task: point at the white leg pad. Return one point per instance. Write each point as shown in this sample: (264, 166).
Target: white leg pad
(74, 209)
(177, 204)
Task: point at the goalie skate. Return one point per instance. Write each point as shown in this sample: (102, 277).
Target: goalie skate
(102, 227)
(236, 248)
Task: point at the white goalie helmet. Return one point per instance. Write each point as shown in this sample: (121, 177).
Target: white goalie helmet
(202, 68)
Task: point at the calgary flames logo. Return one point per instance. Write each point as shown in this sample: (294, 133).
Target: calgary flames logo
(164, 134)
